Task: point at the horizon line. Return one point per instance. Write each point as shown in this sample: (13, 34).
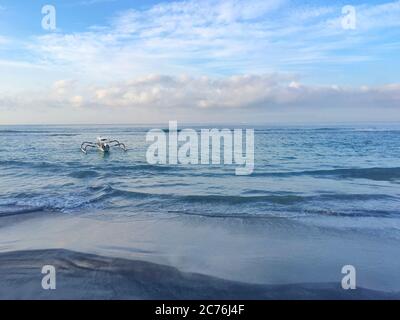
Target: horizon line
(206, 123)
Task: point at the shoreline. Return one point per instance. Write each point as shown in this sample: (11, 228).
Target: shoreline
(276, 252)
(89, 276)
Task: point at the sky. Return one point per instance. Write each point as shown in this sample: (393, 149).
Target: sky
(213, 61)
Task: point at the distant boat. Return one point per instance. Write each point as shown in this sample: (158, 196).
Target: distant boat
(103, 144)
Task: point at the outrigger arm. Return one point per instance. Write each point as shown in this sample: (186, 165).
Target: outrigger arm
(118, 144)
(86, 145)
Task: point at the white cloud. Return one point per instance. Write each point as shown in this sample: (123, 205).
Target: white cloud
(215, 37)
(236, 92)
(119, 64)
(385, 15)
(171, 38)
(156, 98)
(61, 87)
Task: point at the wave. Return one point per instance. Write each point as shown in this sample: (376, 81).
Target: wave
(29, 164)
(24, 131)
(276, 214)
(329, 130)
(282, 199)
(355, 196)
(145, 166)
(37, 132)
(351, 213)
(283, 206)
(25, 203)
(112, 167)
(109, 192)
(18, 210)
(82, 170)
(63, 135)
(82, 174)
(376, 173)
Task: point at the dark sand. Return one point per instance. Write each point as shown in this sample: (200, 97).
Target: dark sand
(87, 276)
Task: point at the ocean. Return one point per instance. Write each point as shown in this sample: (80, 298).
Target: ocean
(320, 197)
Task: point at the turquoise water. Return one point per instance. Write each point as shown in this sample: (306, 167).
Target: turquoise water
(336, 176)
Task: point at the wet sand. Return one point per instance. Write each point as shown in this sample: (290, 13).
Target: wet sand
(187, 257)
(86, 276)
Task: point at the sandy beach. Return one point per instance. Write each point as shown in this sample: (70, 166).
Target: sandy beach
(86, 276)
(187, 258)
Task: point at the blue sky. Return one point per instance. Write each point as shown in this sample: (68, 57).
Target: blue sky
(210, 60)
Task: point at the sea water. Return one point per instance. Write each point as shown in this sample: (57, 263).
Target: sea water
(300, 173)
(338, 182)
